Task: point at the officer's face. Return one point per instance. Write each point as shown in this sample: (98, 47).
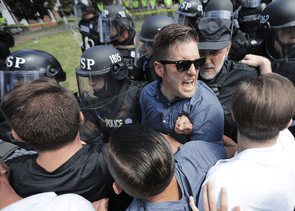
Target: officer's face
(97, 83)
(175, 83)
(287, 36)
(147, 49)
(214, 62)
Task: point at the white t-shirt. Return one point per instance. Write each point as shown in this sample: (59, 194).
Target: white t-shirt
(49, 201)
(257, 178)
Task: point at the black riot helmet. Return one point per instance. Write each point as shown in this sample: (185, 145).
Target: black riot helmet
(278, 27)
(27, 65)
(189, 12)
(249, 16)
(101, 69)
(220, 9)
(80, 7)
(150, 27)
(113, 21)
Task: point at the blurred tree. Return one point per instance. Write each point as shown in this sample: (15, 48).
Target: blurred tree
(27, 9)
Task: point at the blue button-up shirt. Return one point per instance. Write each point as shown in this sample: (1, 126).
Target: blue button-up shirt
(203, 109)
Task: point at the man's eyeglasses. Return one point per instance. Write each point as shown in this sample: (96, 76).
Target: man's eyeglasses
(184, 65)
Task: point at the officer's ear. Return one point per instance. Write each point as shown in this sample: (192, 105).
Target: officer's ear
(16, 136)
(81, 118)
(159, 69)
(227, 49)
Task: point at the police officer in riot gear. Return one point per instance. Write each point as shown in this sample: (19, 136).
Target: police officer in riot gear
(108, 97)
(278, 32)
(88, 23)
(224, 9)
(22, 66)
(189, 12)
(117, 30)
(144, 66)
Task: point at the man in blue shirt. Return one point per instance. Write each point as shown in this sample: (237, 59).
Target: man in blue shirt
(177, 92)
(142, 163)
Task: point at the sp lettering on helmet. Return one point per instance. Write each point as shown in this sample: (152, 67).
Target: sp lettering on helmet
(14, 61)
(264, 18)
(185, 5)
(115, 58)
(87, 63)
(105, 13)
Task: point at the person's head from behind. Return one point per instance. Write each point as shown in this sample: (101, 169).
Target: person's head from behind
(140, 160)
(263, 106)
(214, 44)
(43, 114)
(177, 60)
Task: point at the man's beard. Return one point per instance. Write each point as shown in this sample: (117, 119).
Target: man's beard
(205, 75)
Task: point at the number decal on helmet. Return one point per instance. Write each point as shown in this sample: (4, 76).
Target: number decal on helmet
(115, 58)
(264, 18)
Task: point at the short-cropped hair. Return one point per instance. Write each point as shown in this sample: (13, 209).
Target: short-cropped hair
(170, 36)
(42, 113)
(263, 106)
(140, 160)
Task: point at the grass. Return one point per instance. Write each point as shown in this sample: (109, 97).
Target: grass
(64, 48)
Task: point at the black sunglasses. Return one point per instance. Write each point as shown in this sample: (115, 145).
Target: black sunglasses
(184, 65)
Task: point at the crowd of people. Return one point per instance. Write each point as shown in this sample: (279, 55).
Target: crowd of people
(193, 112)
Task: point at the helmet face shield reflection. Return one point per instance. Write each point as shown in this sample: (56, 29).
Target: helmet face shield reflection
(108, 30)
(281, 44)
(9, 79)
(78, 14)
(181, 18)
(143, 48)
(219, 14)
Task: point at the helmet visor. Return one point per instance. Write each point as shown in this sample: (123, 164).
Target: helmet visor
(108, 30)
(91, 84)
(9, 79)
(181, 18)
(281, 44)
(143, 49)
(219, 14)
(252, 3)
